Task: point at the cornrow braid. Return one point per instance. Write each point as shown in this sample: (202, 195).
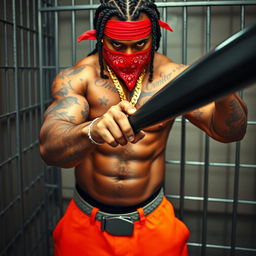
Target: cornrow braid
(100, 26)
(156, 34)
(126, 10)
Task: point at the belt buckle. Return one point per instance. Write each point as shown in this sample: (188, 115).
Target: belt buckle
(117, 225)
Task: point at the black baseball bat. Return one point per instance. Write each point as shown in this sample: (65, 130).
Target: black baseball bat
(229, 67)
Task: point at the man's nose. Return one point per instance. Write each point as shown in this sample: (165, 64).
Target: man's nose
(129, 50)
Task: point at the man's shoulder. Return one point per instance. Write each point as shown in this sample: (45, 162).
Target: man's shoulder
(162, 63)
(85, 68)
(77, 76)
(165, 68)
(89, 65)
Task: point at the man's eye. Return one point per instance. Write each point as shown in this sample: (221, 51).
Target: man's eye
(116, 44)
(140, 44)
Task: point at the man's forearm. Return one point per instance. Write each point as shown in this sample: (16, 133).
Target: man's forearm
(229, 119)
(64, 144)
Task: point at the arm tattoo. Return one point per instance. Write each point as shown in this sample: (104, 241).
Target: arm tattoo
(64, 116)
(63, 128)
(237, 115)
(52, 132)
(62, 92)
(70, 72)
(69, 86)
(63, 104)
(63, 75)
(85, 111)
(236, 123)
(76, 150)
(66, 87)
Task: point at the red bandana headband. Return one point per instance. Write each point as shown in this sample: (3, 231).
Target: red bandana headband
(125, 30)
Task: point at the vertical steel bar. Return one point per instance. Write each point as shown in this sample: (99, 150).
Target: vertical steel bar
(185, 35)
(29, 72)
(73, 32)
(7, 106)
(36, 65)
(235, 198)
(5, 72)
(205, 201)
(18, 135)
(183, 122)
(29, 126)
(56, 48)
(237, 169)
(45, 54)
(207, 149)
(22, 85)
(41, 92)
(164, 44)
(91, 26)
(164, 31)
(7, 87)
(30, 117)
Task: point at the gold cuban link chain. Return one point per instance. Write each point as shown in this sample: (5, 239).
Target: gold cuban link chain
(137, 89)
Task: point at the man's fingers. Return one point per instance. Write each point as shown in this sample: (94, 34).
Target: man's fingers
(117, 132)
(114, 127)
(124, 126)
(109, 139)
(127, 107)
(119, 114)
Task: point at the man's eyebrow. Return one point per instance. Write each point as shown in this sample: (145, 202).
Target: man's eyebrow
(115, 41)
(142, 40)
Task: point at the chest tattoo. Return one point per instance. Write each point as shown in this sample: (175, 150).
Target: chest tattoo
(99, 82)
(103, 101)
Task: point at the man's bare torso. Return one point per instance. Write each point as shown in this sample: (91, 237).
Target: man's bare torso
(124, 175)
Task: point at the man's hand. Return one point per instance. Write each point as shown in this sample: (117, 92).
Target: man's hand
(114, 128)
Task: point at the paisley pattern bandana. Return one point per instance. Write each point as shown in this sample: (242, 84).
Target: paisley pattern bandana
(128, 67)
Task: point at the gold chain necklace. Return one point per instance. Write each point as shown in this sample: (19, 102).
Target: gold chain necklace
(137, 89)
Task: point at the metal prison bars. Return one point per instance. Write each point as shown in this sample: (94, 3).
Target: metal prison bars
(28, 203)
(31, 192)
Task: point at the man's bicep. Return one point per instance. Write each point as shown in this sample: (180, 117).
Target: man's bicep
(69, 103)
(201, 117)
(72, 108)
(69, 81)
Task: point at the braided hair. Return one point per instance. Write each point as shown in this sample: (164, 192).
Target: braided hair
(126, 10)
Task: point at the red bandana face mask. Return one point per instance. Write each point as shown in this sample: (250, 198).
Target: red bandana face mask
(127, 66)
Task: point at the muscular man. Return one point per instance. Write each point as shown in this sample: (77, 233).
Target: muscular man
(118, 206)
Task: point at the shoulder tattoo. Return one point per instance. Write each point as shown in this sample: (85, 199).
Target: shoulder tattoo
(67, 73)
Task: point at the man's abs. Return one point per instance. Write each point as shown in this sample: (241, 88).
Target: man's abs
(127, 177)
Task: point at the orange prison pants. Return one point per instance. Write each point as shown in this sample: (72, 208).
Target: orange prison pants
(158, 234)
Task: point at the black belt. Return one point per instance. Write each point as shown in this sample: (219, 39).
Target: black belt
(117, 224)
